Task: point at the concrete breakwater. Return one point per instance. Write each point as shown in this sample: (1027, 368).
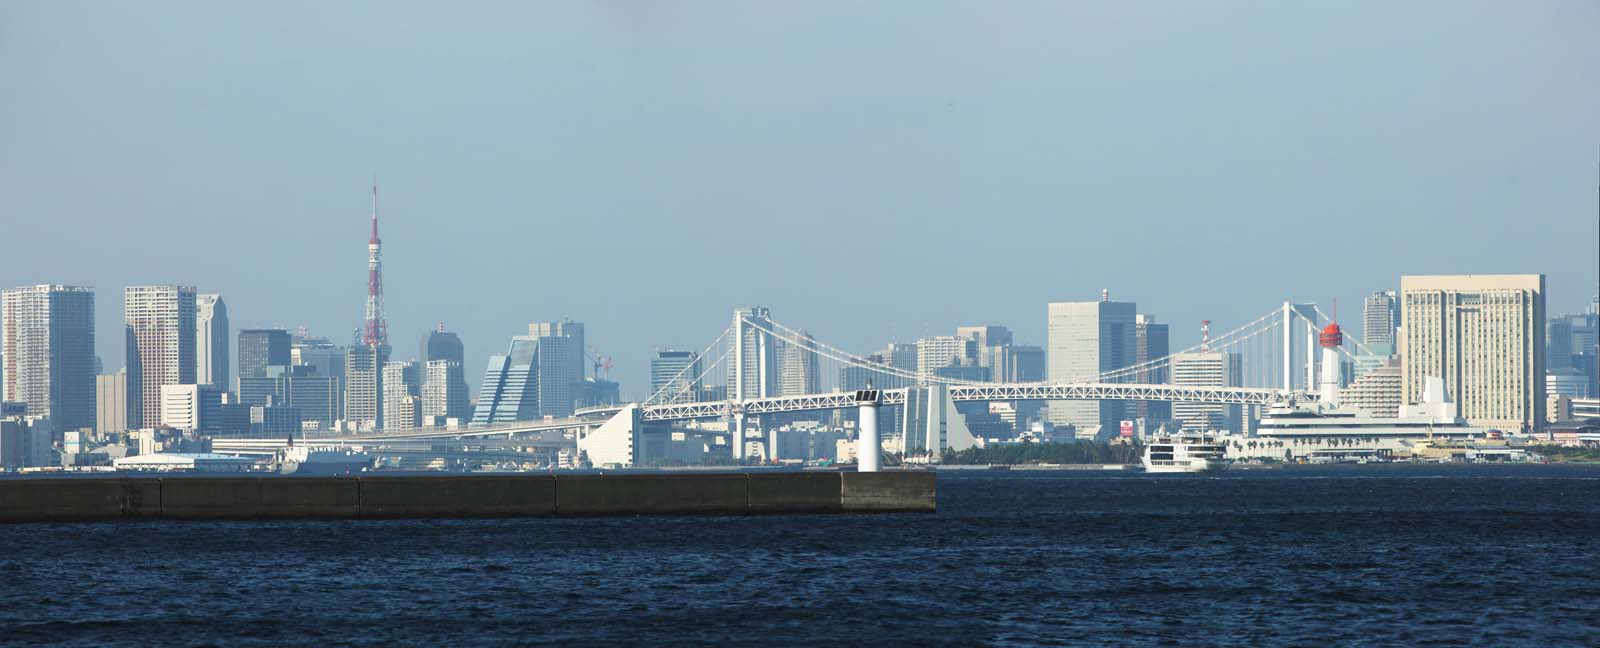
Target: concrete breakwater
(428, 496)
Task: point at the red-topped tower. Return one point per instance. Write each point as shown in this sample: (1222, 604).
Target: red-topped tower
(376, 331)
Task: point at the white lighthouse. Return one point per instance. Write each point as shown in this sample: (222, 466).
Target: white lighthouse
(1330, 340)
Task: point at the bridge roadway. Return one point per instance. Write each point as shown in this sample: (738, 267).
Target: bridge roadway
(972, 392)
(549, 430)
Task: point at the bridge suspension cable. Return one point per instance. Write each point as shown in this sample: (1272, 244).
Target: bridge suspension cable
(1226, 340)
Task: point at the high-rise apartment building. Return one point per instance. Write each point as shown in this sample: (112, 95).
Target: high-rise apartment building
(444, 392)
(1484, 335)
(363, 385)
(1152, 343)
(1379, 317)
(211, 341)
(402, 395)
(111, 402)
(1208, 369)
(940, 351)
(260, 349)
(675, 376)
(47, 352)
(160, 346)
(1086, 339)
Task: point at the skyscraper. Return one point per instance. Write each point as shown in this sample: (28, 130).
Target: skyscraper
(754, 349)
(160, 346)
(1380, 315)
(111, 402)
(363, 386)
(1207, 369)
(940, 351)
(568, 329)
(675, 376)
(260, 349)
(47, 352)
(1484, 335)
(211, 341)
(1084, 340)
(402, 395)
(440, 344)
(510, 388)
(992, 350)
(1152, 344)
(560, 364)
(444, 392)
(800, 371)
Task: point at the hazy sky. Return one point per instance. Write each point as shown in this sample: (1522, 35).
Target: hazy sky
(867, 170)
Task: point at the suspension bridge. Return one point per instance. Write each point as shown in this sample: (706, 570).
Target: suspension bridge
(759, 367)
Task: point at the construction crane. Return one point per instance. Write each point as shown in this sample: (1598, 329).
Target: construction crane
(599, 363)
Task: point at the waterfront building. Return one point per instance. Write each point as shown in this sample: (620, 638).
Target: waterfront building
(160, 346)
(111, 402)
(211, 341)
(262, 349)
(1377, 391)
(274, 421)
(192, 408)
(1152, 343)
(759, 354)
(444, 392)
(1084, 340)
(1484, 336)
(363, 385)
(47, 352)
(1207, 369)
(1379, 316)
(675, 376)
(1566, 381)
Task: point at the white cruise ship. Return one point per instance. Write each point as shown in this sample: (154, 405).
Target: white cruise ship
(1184, 454)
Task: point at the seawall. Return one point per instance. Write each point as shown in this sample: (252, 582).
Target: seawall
(462, 496)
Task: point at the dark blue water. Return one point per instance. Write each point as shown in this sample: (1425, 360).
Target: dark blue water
(1370, 555)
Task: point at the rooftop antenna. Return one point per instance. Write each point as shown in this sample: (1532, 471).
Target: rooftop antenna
(1205, 335)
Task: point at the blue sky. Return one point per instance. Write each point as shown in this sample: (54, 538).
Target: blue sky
(645, 167)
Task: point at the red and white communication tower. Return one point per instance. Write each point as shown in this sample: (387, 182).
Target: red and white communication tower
(376, 331)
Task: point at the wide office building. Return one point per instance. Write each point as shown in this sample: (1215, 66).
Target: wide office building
(1484, 335)
(1086, 339)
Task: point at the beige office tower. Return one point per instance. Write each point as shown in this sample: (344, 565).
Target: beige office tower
(111, 402)
(1484, 335)
(160, 346)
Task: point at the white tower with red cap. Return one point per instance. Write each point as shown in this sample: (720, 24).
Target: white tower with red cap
(1329, 340)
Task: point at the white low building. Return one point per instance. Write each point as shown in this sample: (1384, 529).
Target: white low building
(185, 462)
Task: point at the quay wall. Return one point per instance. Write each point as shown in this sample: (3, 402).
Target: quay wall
(69, 499)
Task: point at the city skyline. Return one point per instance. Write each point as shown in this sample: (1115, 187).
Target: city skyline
(1086, 179)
